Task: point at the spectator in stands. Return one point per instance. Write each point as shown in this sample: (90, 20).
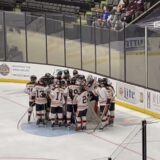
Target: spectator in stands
(102, 21)
(112, 18)
(122, 6)
(134, 8)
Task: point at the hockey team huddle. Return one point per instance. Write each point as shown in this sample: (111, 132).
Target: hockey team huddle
(63, 100)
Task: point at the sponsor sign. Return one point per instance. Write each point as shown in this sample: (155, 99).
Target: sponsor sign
(4, 69)
(23, 71)
(136, 42)
(131, 94)
(153, 101)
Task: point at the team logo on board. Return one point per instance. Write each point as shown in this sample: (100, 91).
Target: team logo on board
(4, 69)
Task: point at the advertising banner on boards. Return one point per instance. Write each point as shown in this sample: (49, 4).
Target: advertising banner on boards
(22, 71)
(130, 94)
(153, 101)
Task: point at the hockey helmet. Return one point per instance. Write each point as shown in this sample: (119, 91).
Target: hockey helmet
(104, 82)
(59, 73)
(66, 71)
(73, 81)
(33, 78)
(75, 72)
(48, 75)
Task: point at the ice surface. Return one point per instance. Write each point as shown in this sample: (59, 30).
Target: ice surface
(30, 142)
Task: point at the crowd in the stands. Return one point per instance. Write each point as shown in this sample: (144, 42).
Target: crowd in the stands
(116, 16)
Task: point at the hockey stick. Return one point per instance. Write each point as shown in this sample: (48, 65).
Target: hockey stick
(22, 118)
(103, 114)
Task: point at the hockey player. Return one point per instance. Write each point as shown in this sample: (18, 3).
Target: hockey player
(66, 76)
(103, 103)
(70, 93)
(91, 85)
(57, 101)
(39, 95)
(49, 80)
(111, 103)
(82, 106)
(29, 87)
(75, 73)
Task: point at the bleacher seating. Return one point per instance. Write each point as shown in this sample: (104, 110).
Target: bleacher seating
(84, 6)
(8, 5)
(35, 6)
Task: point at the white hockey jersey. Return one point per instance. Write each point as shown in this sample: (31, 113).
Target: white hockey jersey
(74, 90)
(40, 92)
(57, 97)
(82, 101)
(102, 93)
(28, 90)
(111, 93)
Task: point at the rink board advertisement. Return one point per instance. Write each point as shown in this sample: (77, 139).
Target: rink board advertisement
(23, 71)
(130, 94)
(125, 93)
(153, 101)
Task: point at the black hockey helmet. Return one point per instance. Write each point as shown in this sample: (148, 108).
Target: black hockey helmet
(100, 80)
(73, 81)
(42, 81)
(48, 75)
(33, 78)
(75, 72)
(59, 73)
(105, 80)
(81, 77)
(104, 83)
(66, 71)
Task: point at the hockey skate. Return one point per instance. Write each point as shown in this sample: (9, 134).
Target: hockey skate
(38, 121)
(84, 128)
(78, 128)
(52, 125)
(29, 118)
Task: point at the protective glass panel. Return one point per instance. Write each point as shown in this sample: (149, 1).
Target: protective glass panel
(117, 54)
(154, 59)
(72, 41)
(15, 37)
(88, 47)
(55, 39)
(2, 46)
(36, 39)
(135, 55)
(102, 51)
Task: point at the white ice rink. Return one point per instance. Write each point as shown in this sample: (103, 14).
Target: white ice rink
(30, 142)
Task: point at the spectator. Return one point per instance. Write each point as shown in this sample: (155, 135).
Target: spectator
(122, 6)
(135, 8)
(112, 18)
(103, 19)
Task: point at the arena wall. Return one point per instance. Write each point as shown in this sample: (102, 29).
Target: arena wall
(129, 96)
